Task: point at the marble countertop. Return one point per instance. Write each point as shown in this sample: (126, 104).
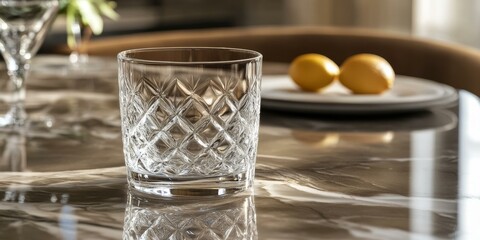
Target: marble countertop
(408, 176)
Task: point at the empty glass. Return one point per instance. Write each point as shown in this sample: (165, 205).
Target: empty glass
(23, 27)
(190, 119)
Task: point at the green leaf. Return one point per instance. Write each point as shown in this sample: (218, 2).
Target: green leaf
(88, 13)
(90, 16)
(106, 8)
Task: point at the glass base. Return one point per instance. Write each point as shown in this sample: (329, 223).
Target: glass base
(181, 187)
(14, 119)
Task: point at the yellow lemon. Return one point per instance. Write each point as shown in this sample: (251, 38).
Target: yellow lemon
(366, 74)
(312, 72)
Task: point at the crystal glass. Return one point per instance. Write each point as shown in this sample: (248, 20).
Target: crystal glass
(190, 119)
(218, 218)
(23, 27)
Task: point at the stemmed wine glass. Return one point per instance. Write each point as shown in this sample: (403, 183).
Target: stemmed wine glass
(23, 27)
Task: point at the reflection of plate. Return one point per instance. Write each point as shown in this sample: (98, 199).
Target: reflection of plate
(408, 94)
(439, 120)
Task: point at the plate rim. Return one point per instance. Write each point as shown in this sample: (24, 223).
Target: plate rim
(447, 96)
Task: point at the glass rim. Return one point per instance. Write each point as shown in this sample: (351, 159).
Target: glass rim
(122, 56)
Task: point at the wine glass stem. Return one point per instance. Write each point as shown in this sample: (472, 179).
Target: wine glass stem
(18, 73)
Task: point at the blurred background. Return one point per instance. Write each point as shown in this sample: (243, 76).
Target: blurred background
(447, 20)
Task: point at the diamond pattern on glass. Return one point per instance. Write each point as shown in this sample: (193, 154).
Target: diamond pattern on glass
(234, 219)
(189, 124)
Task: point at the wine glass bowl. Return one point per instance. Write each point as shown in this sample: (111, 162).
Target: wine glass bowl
(23, 27)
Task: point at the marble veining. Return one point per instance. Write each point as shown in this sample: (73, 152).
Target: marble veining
(406, 176)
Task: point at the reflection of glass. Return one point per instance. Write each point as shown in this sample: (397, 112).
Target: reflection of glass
(190, 119)
(218, 218)
(23, 27)
(13, 152)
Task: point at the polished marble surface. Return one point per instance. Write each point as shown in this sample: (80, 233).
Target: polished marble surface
(411, 176)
